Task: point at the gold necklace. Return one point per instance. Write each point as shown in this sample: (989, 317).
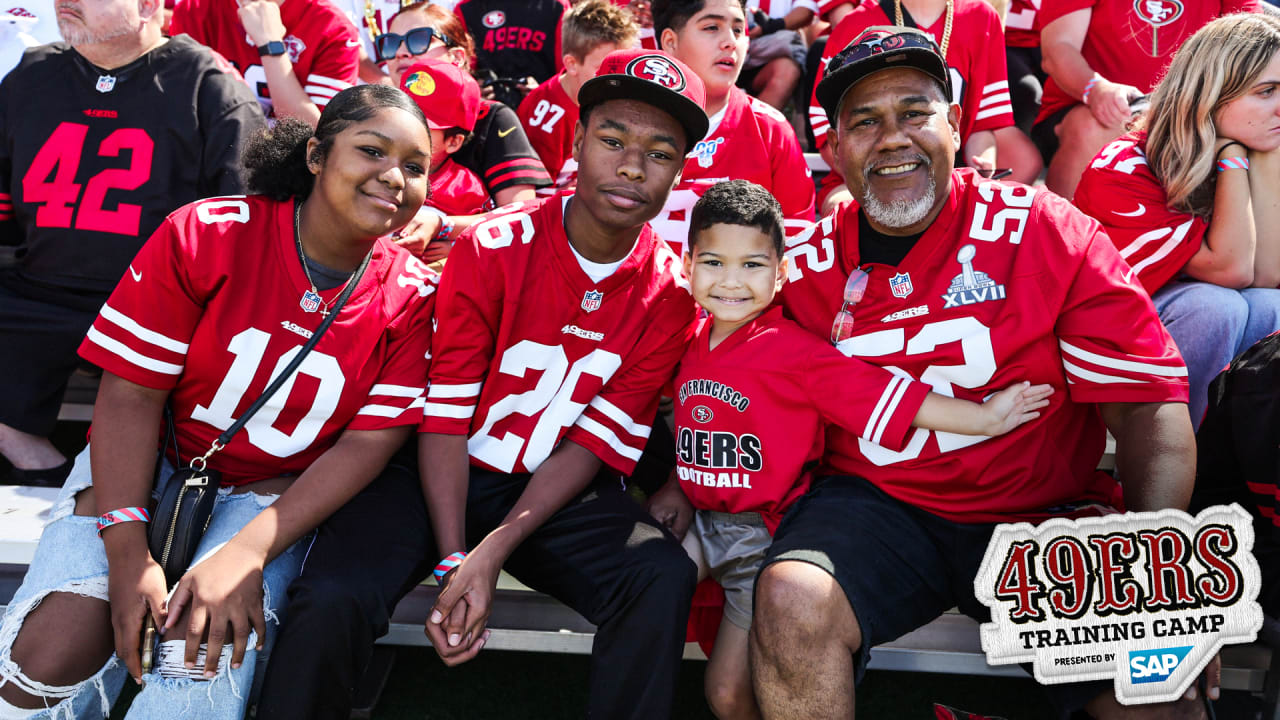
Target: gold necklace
(946, 26)
(311, 300)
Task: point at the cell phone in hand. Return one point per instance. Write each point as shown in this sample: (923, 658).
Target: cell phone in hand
(171, 661)
(148, 644)
(995, 173)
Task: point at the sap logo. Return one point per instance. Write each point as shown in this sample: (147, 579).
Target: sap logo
(1148, 666)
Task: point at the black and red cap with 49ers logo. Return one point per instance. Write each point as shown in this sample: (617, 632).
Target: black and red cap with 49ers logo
(880, 47)
(653, 77)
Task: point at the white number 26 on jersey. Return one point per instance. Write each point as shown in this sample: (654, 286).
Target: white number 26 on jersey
(552, 396)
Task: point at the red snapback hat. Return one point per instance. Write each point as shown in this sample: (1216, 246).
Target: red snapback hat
(448, 96)
(654, 77)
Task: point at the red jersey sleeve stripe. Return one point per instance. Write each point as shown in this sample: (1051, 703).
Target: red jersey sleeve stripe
(124, 352)
(1129, 366)
(335, 84)
(1175, 238)
(885, 408)
(619, 416)
(382, 409)
(610, 438)
(151, 337)
(441, 391)
(818, 119)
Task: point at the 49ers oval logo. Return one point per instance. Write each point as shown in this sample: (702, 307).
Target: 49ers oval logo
(702, 414)
(1158, 12)
(657, 69)
(494, 19)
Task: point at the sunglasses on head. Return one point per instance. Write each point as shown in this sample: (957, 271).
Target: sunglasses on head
(861, 50)
(854, 288)
(418, 40)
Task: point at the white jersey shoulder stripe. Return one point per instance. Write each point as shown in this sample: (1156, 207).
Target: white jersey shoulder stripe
(457, 412)
(616, 414)
(993, 99)
(126, 353)
(992, 112)
(610, 439)
(998, 85)
(331, 82)
(151, 337)
(1094, 377)
(889, 410)
(1117, 364)
(395, 390)
(440, 391)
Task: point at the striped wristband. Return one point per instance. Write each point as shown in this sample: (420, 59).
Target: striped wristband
(1233, 163)
(128, 514)
(447, 564)
(1084, 98)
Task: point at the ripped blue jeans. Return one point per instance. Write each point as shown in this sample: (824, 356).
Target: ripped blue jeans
(70, 558)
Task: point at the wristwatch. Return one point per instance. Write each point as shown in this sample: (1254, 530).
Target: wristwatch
(275, 47)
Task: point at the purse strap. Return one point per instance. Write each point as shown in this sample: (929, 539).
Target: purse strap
(198, 463)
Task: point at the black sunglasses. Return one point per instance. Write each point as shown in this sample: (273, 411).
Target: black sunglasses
(418, 41)
(875, 42)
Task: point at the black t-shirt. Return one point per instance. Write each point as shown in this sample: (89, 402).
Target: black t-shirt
(515, 38)
(93, 161)
(876, 247)
(499, 151)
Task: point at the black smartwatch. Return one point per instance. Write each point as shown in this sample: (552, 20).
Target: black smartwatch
(275, 47)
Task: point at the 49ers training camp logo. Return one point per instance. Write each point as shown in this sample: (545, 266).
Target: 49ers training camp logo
(657, 69)
(1144, 598)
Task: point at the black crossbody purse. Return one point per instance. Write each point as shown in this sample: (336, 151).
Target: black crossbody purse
(183, 511)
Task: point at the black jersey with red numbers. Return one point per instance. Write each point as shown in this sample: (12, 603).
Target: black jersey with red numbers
(92, 161)
(1009, 283)
(749, 413)
(515, 38)
(530, 351)
(323, 45)
(211, 312)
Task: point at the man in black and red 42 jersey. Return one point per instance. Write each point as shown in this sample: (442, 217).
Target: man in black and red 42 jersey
(101, 137)
(971, 284)
(558, 323)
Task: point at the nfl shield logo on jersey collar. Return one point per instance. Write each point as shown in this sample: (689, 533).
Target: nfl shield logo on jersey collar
(591, 301)
(900, 285)
(106, 83)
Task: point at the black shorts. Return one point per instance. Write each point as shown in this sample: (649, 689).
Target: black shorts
(1026, 85)
(1045, 133)
(899, 566)
(38, 342)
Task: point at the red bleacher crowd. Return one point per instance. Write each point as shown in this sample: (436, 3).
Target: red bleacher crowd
(117, 116)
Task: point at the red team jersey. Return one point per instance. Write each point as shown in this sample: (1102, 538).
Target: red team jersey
(1132, 41)
(1021, 25)
(549, 116)
(530, 351)
(751, 141)
(975, 60)
(209, 310)
(749, 413)
(456, 190)
(323, 45)
(1119, 189)
(1009, 283)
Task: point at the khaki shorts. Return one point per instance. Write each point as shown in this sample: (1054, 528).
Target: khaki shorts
(734, 546)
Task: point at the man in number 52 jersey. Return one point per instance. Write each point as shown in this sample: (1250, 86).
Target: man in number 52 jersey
(558, 324)
(972, 284)
(101, 137)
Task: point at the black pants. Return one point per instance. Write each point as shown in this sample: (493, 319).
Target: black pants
(601, 555)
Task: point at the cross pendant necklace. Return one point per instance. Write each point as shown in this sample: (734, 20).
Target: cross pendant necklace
(311, 300)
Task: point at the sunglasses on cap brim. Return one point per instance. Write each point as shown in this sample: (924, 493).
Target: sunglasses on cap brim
(890, 43)
(417, 40)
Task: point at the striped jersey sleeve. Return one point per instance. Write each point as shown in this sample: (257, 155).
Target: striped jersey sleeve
(1113, 346)
(336, 65)
(989, 80)
(1119, 190)
(863, 399)
(142, 332)
(398, 396)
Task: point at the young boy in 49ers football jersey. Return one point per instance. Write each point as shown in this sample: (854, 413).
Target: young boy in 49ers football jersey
(752, 395)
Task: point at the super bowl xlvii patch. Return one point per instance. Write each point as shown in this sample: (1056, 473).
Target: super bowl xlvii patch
(591, 300)
(106, 83)
(970, 286)
(1145, 599)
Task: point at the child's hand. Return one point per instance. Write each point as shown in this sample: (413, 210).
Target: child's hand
(671, 508)
(1014, 406)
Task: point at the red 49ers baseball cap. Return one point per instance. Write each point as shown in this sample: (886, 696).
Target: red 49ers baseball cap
(654, 77)
(448, 96)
